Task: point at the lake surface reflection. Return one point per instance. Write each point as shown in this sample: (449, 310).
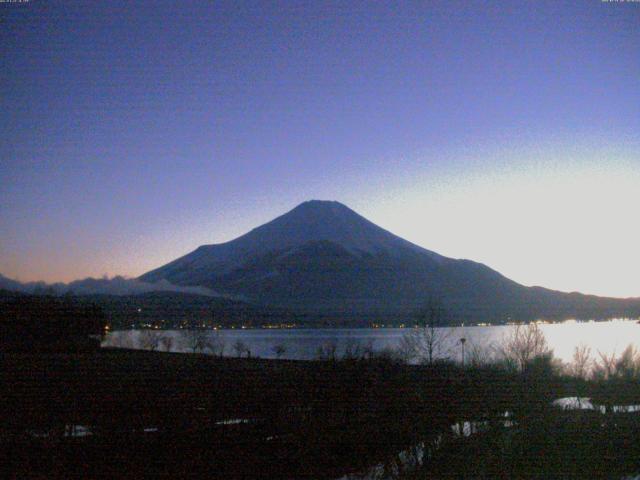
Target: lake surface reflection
(610, 337)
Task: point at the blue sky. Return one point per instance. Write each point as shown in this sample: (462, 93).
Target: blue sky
(505, 132)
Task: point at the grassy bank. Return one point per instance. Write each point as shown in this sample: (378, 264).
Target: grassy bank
(179, 415)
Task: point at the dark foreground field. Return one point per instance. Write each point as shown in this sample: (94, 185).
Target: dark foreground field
(180, 415)
(318, 419)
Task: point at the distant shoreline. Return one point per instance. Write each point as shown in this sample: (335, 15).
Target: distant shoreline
(379, 327)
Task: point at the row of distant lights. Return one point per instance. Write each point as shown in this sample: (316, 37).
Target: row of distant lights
(217, 327)
(278, 326)
(288, 325)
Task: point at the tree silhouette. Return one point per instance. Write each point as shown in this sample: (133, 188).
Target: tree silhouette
(279, 350)
(428, 341)
(31, 322)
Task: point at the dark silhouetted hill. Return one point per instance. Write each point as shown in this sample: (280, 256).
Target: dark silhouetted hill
(32, 323)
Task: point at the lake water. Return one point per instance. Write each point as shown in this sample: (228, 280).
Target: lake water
(610, 337)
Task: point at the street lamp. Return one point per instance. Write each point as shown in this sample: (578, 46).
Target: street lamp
(462, 342)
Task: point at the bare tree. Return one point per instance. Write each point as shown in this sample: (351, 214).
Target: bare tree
(479, 355)
(368, 350)
(582, 363)
(149, 340)
(626, 366)
(195, 340)
(217, 344)
(240, 348)
(167, 342)
(120, 339)
(428, 341)
(279, 349)
(605, 366)
(328, 351)
(523, 345)
(353, 350)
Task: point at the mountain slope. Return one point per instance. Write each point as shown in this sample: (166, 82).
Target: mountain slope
(323, 258)
(309, 222)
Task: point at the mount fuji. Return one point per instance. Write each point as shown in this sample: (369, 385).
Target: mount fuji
(322, 258)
